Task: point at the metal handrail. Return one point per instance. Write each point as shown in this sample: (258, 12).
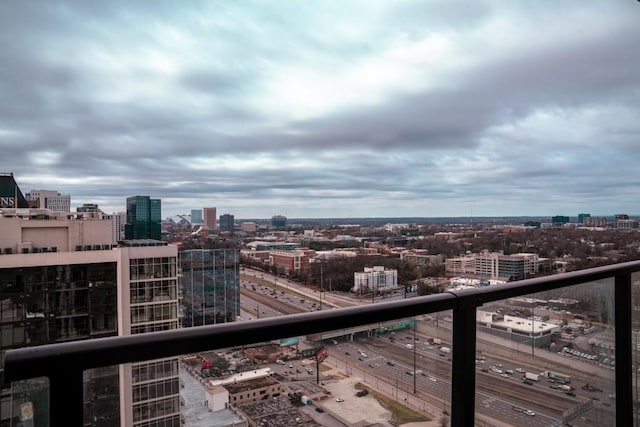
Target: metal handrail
(64, 363)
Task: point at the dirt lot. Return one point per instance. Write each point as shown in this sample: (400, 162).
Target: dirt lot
(354, 410)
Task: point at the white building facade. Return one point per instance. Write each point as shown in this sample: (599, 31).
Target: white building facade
(375, 279)
(52, 200)
(494, 265)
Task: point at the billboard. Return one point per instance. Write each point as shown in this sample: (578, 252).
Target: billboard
(322, 354)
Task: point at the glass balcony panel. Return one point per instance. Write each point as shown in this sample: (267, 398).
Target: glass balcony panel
(548, 358)
(541, 359)
(26, 402)
(404, 365)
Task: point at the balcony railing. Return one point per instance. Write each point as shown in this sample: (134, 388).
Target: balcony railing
(64, 363)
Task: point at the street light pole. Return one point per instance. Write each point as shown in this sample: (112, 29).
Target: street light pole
(414, 355)
(532, 331)
(321, 287)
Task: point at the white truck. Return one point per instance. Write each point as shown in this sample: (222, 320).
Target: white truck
(445, 350)
(531, 376)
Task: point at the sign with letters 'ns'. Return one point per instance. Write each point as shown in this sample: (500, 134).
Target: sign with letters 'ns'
(7, 202)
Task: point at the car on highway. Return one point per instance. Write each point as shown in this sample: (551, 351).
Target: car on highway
(339, 399)
(391, 363)
(529, 412)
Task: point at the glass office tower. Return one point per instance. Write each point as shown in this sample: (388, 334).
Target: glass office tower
(143, 218)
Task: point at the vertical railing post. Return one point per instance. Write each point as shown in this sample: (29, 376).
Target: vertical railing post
(66, 398)
(624, 359)
(463, 375)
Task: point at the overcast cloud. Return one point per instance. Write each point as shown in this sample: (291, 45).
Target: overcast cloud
(328, 108)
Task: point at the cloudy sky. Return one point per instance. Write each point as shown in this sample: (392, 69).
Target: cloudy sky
(326, 108)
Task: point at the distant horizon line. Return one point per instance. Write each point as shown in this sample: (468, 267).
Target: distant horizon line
(440, 218)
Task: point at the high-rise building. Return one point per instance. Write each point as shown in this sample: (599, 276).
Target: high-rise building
(210, 286)
(52, 200)
(582, 217)
(143, 218)
(559, 220)
(210, 219)
(10, 194)
(118, 222)
(227, 222)
(196, 216)
(278, 221)
(150, 390)
(87, 289)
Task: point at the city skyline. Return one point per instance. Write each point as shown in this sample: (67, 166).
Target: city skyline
(326, 111)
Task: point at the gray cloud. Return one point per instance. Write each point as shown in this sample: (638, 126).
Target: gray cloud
(334, 110)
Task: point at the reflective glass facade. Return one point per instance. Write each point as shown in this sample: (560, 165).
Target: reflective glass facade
(56, 303)
(210, 285)
(154, 307)
(143, 218)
